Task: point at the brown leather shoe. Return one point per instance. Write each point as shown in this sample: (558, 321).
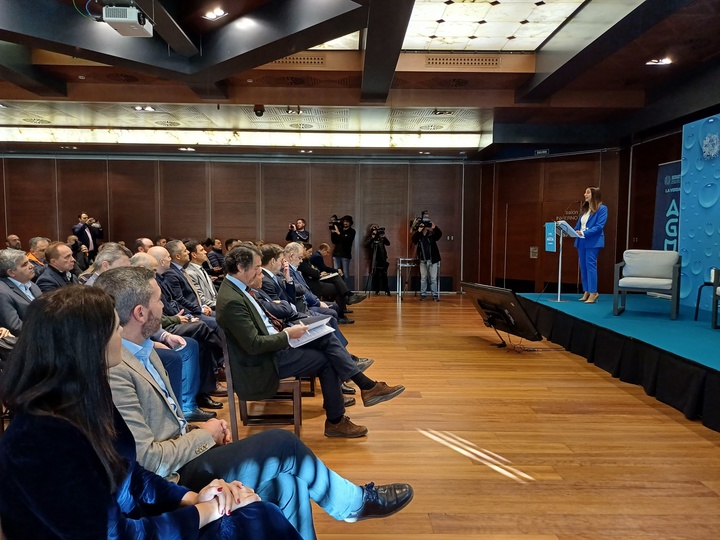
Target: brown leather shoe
(220, 390)
(348, 401)
(220, 375)
(379, 393)
(344, 428)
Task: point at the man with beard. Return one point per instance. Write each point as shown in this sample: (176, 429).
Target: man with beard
(275, 463)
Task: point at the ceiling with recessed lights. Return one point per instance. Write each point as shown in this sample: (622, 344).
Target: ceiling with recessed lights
(448, 77)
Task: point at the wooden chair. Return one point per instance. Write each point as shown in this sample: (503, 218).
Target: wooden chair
(289, 389)
(645, 270)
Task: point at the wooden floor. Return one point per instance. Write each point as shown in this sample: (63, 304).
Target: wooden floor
(501, 445)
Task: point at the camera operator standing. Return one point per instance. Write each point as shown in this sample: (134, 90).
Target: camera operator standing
(297, 232)
(426, 235)
(342, 235)
(376, 241)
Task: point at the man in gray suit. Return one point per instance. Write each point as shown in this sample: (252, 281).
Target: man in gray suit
(197, 275)
(16, 288)
(280, 468)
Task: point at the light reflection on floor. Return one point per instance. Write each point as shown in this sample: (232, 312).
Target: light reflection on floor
(486, 457)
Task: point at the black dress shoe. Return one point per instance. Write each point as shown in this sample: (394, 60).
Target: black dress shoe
(348, 401)
(198, 415)
(206, 402)
(345, 320)
(348, 311)
(382, 501)
(347, 389)
(354, 299)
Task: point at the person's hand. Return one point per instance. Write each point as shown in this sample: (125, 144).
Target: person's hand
(218, 429)
(323, 274)
(206, 311)
(323, 305)
(90, 221)
(158, 345)
(84, 249)
(194, 319)
(339, 271)
(286, 270)
(581, 234)
(4, 332)
(173, 341)
(291, 227)
(296, 330)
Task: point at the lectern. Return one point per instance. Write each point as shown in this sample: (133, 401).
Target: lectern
(563, 229)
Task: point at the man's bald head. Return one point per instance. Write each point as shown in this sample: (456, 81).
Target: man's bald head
(162, 256)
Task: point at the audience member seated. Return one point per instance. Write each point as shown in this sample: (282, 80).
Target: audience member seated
(196, 274)
(58, 272)
(175, 321)
(176, 280)
(113, 255)
(13, 241)
(261, 354)
(275, 463)
(68, 464)
(37, 246)
(16, 289)
(214, 250)
(143, 245)
(323, 283)
(80, 254)
(160, 240)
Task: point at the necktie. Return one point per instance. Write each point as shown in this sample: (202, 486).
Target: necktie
(277, 323)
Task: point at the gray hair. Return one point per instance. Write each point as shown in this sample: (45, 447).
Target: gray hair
(35, 240)
(143, 260)
(129, 286)
(240, 257)
(294, 247)
(8, 260)
(111, 252)
(174, 246)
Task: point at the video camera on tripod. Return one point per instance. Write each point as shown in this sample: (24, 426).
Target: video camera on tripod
(379, 232)
(334, 222)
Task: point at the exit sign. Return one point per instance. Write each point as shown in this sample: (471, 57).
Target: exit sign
(542, 152)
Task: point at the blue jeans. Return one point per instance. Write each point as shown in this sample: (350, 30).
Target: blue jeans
(283, 471)
(183, 369)
(429, 270)
(344, 265)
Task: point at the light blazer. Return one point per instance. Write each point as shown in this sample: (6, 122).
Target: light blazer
(14, 304)
(201, 280)
(251, 349)
(160, 446)
(594, 235)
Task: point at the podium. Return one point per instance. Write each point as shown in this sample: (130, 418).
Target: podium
(562, 229)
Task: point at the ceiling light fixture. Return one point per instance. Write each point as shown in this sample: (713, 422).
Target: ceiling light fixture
(145, 108)
(2, 106)
(659, 62)
(183, 149)
(215, 14)
(296, 110)
(438, 112)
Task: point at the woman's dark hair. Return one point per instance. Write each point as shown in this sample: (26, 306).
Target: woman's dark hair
(58, 367)
(595, 200)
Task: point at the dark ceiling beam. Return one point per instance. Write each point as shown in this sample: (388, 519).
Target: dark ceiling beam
(16, 67)
(166, 25)
(554, 134)
(598, 30)
(387, 25)
(273, 31)
(277, 29)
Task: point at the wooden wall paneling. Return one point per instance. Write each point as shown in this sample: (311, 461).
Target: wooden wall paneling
(83, 187)
(234, 209)
(519, 181)
(438, 189)
(488, 193)
(384, 195)
(645, 160)
(31, 198)
(333, 190)
(133, 196)
(610, 181)
(184, 204)
(548, 261)
(472, 188)
(285, 196)
(566, 178)
(520, 221)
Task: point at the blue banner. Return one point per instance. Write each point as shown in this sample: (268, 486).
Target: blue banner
(550, 244)
(667, 207)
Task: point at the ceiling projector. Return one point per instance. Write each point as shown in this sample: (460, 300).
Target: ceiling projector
(127, 21)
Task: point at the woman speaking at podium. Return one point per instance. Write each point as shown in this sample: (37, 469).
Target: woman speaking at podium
(589, 227)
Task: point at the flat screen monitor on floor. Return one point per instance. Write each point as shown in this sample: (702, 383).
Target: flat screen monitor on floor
(501, 310)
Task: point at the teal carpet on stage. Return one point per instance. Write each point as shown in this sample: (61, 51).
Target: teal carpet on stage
(647, 319)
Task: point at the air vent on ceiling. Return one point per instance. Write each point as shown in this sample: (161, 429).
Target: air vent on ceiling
(36, 121)
(301, 60)
(434, 60)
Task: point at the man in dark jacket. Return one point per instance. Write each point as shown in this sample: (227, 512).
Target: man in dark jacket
(426, 235)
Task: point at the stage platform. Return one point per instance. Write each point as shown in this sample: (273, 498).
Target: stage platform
(677, 361)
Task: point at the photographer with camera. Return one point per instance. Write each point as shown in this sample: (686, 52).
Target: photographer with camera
(426, 235)
(297, 232)
(375, 242)
(342, 235)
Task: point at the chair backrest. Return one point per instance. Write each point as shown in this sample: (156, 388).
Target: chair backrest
(649, 263)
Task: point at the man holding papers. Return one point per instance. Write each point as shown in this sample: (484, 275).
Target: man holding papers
(259, 350)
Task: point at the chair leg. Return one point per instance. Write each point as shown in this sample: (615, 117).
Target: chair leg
(297, 409)
(243, 411)
(714, 309)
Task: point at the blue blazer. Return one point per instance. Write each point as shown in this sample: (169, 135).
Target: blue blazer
(594, 235)
(181, 290)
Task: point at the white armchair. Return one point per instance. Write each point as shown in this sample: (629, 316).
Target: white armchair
(645, 270)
